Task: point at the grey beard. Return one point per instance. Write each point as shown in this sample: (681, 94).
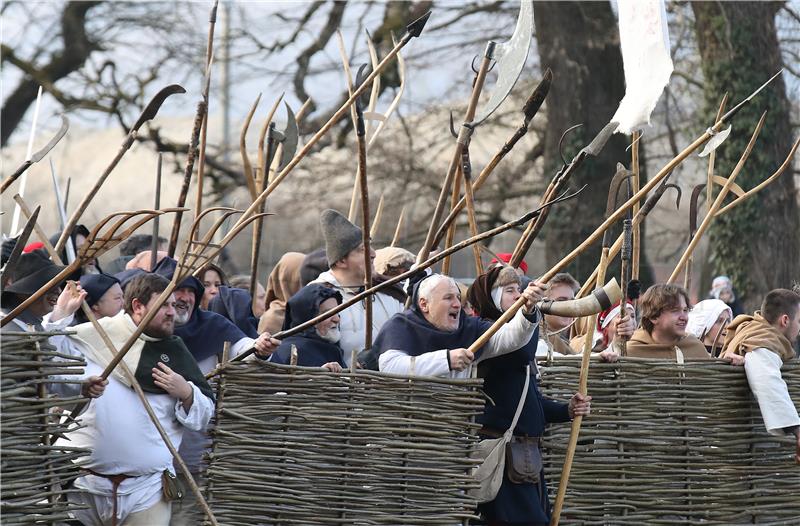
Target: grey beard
(332, 336)
(182, 318)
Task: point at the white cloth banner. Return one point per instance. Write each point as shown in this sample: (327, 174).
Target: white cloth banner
(644, 40)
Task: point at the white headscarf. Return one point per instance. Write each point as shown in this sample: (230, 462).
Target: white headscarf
(704, 315)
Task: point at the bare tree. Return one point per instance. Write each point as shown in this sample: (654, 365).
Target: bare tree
(757, 243)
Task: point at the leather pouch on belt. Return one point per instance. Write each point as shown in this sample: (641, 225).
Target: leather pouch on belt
(171, 486)
(523, 460)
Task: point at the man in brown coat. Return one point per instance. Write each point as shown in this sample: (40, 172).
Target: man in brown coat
(664, 311)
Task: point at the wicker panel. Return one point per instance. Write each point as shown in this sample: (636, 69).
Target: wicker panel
(667, 444)
(304, 446)
(32, 474)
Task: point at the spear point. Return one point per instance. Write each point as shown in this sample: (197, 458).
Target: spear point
(415, 28)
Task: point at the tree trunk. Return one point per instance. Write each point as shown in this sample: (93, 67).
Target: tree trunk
(579, 41)
(77, 48)
(757, 244)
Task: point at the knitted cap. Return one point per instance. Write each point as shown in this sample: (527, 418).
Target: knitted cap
(341, 236)
(96, 285)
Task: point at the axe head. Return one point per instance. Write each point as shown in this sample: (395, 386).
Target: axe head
(510, 57)
(155, 103)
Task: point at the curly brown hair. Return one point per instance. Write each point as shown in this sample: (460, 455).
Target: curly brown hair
(657, 299)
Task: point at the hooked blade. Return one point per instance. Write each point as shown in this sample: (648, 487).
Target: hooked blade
(39, 155)
(698, 189)
(510, 57)
(155, 103)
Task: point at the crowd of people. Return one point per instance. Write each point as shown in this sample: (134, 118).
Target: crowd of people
(425, 328)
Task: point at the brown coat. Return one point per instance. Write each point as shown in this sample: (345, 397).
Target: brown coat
(746, 333)
(641, 345)
(283, 283)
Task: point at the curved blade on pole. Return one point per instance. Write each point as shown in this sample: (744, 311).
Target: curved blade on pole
(290, 138)
(510, 57)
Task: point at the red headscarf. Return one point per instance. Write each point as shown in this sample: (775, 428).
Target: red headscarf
(506, 258)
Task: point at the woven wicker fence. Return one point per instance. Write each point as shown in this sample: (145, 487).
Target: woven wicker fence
(32, 472)
(667, 444)
(304, 446)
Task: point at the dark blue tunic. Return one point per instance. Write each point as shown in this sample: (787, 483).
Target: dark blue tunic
(503, 381)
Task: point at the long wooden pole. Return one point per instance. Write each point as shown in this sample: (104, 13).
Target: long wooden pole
(635, 183)
(365, 233)
(397, 279)
(200, 118)
(463, 137)
(451, 232)
(583, 388)
(466, 169)
(717, 203)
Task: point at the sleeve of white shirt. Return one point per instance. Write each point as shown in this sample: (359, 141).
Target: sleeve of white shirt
(64, 345)
(511, 336)
(199, 414)
(763, 369)
(243, 345)
(428, 364)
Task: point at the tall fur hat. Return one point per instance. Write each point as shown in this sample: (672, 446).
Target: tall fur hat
(341, 236)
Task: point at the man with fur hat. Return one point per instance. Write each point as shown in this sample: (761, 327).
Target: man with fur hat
(127, 458)
(344, 251)
(765, 340)
(665, 314)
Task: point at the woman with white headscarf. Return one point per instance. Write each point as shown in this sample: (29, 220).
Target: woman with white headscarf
(707, 321)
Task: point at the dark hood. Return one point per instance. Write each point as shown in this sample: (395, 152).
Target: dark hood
(237, 306)
(166, 267)
(304, 305)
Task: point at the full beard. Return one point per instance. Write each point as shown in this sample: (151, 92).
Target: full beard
(332, 336)
(182, 317)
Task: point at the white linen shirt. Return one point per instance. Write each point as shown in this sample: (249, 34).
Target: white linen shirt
(763, 369)
(511, 336)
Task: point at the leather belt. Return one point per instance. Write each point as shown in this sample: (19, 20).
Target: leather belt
(116, 480)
